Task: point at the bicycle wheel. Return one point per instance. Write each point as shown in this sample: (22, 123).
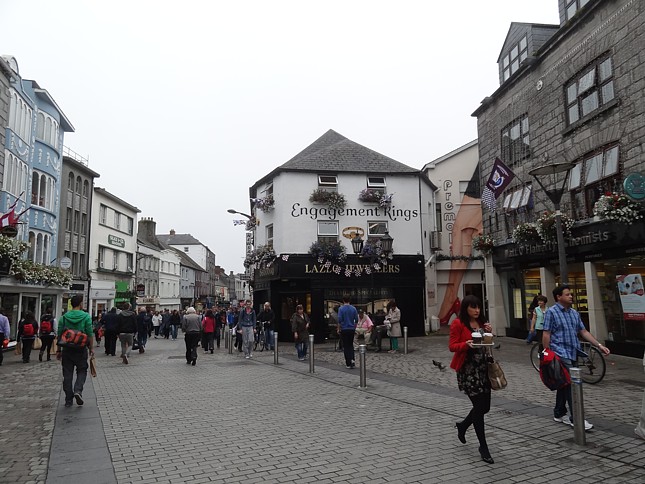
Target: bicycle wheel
(261, 340)
(592, 365)
(535, 357)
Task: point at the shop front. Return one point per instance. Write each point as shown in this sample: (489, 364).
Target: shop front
(320, 288)
(606, 264)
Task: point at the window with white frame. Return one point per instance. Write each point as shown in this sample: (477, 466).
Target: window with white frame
(512, 60)
(515, 140)
(571, 7)
(376, 182)
(328, 182)
(327, 231)
(116, 256)
(268, 191)
(117, 220)
(102, 214)
(517, 198)
(376, 229)
(20, 115)
(39, 247)
(43, 189)
(589, 90)
(101, 260)
(269, 234)
(16, 174)
(47, 129)
(130, 226)
(597, 173)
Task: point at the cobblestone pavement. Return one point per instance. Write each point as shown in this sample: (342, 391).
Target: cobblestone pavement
(234, 420)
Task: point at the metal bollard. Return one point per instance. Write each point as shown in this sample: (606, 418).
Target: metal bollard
(578, 407)
(225, 331)
(405, 340)
(362, 352)
(230, 342)
(275, 346)
(311, 353)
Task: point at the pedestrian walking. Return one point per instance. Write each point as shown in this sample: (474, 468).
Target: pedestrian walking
(175, 322)
(127, 327)
(300, 328)
(537, 321)
(96, 328)
(27, 331)
(394, 318)
(156, 323)
(165, 324)
(471, 365)
(233, 319)
(562, 326)
(75, 357)
(208, 332)
(110, 326)
(347, 321)
(220, 323)
(247, 321)
(267, 319)
(191, 326)
(5, 331)
(47, 336)
(143, 323)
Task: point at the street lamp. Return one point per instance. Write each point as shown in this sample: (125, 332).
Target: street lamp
(556, 176)
(230, 210)
(386, 248)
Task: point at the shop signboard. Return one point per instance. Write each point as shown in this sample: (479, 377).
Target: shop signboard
(632, 296)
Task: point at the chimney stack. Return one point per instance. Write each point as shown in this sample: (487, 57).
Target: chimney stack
(172, 231)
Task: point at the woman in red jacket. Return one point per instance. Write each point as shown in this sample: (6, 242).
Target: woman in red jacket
(470, 362)
(208, 331)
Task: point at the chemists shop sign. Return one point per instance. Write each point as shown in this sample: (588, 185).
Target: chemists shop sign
(116, 241)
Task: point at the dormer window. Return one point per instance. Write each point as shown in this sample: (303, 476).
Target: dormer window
(328, 182)
(571, 7)
(512, 60)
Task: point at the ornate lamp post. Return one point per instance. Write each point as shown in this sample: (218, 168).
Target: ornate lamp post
(386, 248)
(556, 176)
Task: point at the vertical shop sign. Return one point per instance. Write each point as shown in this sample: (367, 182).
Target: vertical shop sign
(632, 296)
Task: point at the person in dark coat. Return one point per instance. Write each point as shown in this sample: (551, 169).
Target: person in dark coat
(110, 331)
(144, 321)
(27, 331)
(267, 319)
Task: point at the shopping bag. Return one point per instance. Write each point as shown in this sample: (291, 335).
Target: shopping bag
(53, 347)
(37, 343)
(93, 366)
(18, 348)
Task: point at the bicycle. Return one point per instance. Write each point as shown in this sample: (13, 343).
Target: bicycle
(590, 361)
(260, 339)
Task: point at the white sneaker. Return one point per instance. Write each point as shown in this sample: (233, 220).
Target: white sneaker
(567, 420)
(247, 357)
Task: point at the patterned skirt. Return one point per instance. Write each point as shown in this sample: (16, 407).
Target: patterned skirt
(472, 377)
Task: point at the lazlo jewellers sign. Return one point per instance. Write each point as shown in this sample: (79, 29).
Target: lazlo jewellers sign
(391, 213)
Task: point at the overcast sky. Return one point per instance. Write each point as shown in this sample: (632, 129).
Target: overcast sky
(181, 106)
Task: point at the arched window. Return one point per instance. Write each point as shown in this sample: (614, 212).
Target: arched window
(40, 126)
(39, 249)
(70, 181)
(42, 196)
(86, 188)
(32, 246)
(35, 180)
(78, 184)
(46, 260)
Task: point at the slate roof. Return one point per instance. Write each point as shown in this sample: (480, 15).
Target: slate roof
(333, 152)
(178, 239)
(186, 260)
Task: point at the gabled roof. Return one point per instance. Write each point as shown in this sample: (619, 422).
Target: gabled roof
(178, 239)
(333, 152)
(186, 260)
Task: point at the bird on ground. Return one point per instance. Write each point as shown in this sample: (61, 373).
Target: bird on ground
(438, 364)
(498, 346)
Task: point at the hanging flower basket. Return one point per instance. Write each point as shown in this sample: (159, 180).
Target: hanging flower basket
(332, 252)
(27, 271)
(263, 256)
(483, 243)
(375, 250)
(251, 224)
(369, 195)
(333, 200)
(618, 207)
(546, 226)
(525, 233)
(265, 204)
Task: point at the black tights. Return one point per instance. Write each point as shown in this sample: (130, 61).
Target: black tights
(481, 406)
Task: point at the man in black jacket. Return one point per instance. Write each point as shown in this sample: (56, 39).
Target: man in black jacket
(111, 329)
(267, 319)
(127, 325)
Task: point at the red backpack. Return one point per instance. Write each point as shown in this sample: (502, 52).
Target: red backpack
(45, 327)
(28, 330)
(553, 373)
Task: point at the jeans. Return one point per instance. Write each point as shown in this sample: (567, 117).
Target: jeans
(74, 358)
(27, 344)
(156, 330)
(268, 333)
(301, 350)
(173, 331)
(247, 340)
(207, 341)
(126, 343)
(192, 340)
(347, 337)
(143, 339)
(563, 396)
(48, 340)
(218, 335)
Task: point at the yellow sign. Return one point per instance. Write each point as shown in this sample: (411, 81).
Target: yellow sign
(351, 232)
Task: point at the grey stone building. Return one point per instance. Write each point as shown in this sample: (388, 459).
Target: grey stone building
(5, 75)
(75, 212)
(569, 93)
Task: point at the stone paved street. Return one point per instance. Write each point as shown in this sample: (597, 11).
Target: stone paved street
(234, 420)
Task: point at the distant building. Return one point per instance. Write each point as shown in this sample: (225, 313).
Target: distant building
(112, 251)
